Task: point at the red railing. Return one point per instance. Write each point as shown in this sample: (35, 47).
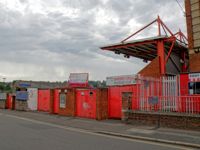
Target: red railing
(176, 104)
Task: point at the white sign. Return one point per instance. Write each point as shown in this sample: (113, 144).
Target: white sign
(62, 100)
(121, 80)
(194, 77)
(32, 98)
(75, 78)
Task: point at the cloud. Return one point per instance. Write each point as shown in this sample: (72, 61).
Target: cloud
(48, 39)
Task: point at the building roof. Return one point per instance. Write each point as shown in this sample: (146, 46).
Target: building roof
(146, 48)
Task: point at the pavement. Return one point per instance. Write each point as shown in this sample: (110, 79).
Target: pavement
(185, 138)
(19, 133)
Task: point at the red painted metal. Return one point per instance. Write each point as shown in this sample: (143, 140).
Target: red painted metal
(190, 104)
(44, 100)
(86, 103)
(160, 24)
(115, 100)
(184, 80)
(177, 38)
(139, 30)
(56, 101)
(169, 53)
(132, 44)
(9, 101)
(161, 54)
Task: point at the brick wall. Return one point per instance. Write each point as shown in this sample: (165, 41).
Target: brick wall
(102, 104)
(21, 105)
(165, 120)
(70, 109)
(195, 62)
(152, 69)
(2, 104)
(192, 8)
(189, 23)
(51, 109)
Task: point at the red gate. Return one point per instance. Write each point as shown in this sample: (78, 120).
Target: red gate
(43, 100)
(9, 101)
(86, 103)
(115, 99)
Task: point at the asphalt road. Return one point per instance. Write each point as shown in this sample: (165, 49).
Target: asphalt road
(26, 134)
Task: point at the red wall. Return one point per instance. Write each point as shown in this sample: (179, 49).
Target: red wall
(9, 102)
(43, 100)
(56, 101)
(70, 108)
(115, 100)
(86, 103)
(152, 69)
(184, 79)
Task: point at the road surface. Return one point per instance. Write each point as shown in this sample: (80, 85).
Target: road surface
(25, 134)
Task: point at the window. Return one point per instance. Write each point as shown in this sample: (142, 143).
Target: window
(62, 100)
(194, 88)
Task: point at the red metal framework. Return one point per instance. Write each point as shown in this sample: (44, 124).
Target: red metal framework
(163, 45)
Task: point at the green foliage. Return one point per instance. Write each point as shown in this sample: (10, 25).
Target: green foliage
(5, 87)
(97, 84)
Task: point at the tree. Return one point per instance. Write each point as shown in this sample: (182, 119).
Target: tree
(5, 87)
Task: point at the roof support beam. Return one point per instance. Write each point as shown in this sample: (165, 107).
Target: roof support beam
(139, 31)
(161, 54)
(169, 53)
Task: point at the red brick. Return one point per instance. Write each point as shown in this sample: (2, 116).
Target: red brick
(152, 69)
(189, 24)
(102, 104)
(195, 62)
(70, 109)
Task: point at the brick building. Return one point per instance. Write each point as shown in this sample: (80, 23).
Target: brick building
(193, 28)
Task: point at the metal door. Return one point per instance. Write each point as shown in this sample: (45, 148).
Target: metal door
(86, 103)
(126, 105)
(43, 100)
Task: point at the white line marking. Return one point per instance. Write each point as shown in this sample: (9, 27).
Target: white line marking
(92, 133)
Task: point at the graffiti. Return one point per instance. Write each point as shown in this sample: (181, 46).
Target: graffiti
(86, 106)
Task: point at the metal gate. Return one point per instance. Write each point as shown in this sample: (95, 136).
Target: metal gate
(158, 93)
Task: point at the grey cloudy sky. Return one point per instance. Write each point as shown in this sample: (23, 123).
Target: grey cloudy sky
(48, 39)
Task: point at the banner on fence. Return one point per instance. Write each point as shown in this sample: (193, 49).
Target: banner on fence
(121, 80)
(22, 95)
(78, 78)
(194, 77)
(153, 100)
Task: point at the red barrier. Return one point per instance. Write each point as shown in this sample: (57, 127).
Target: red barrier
(115, 100)
(190, 104)
(184, 79)
(9, 101)
(43, 100)
(86, 103)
